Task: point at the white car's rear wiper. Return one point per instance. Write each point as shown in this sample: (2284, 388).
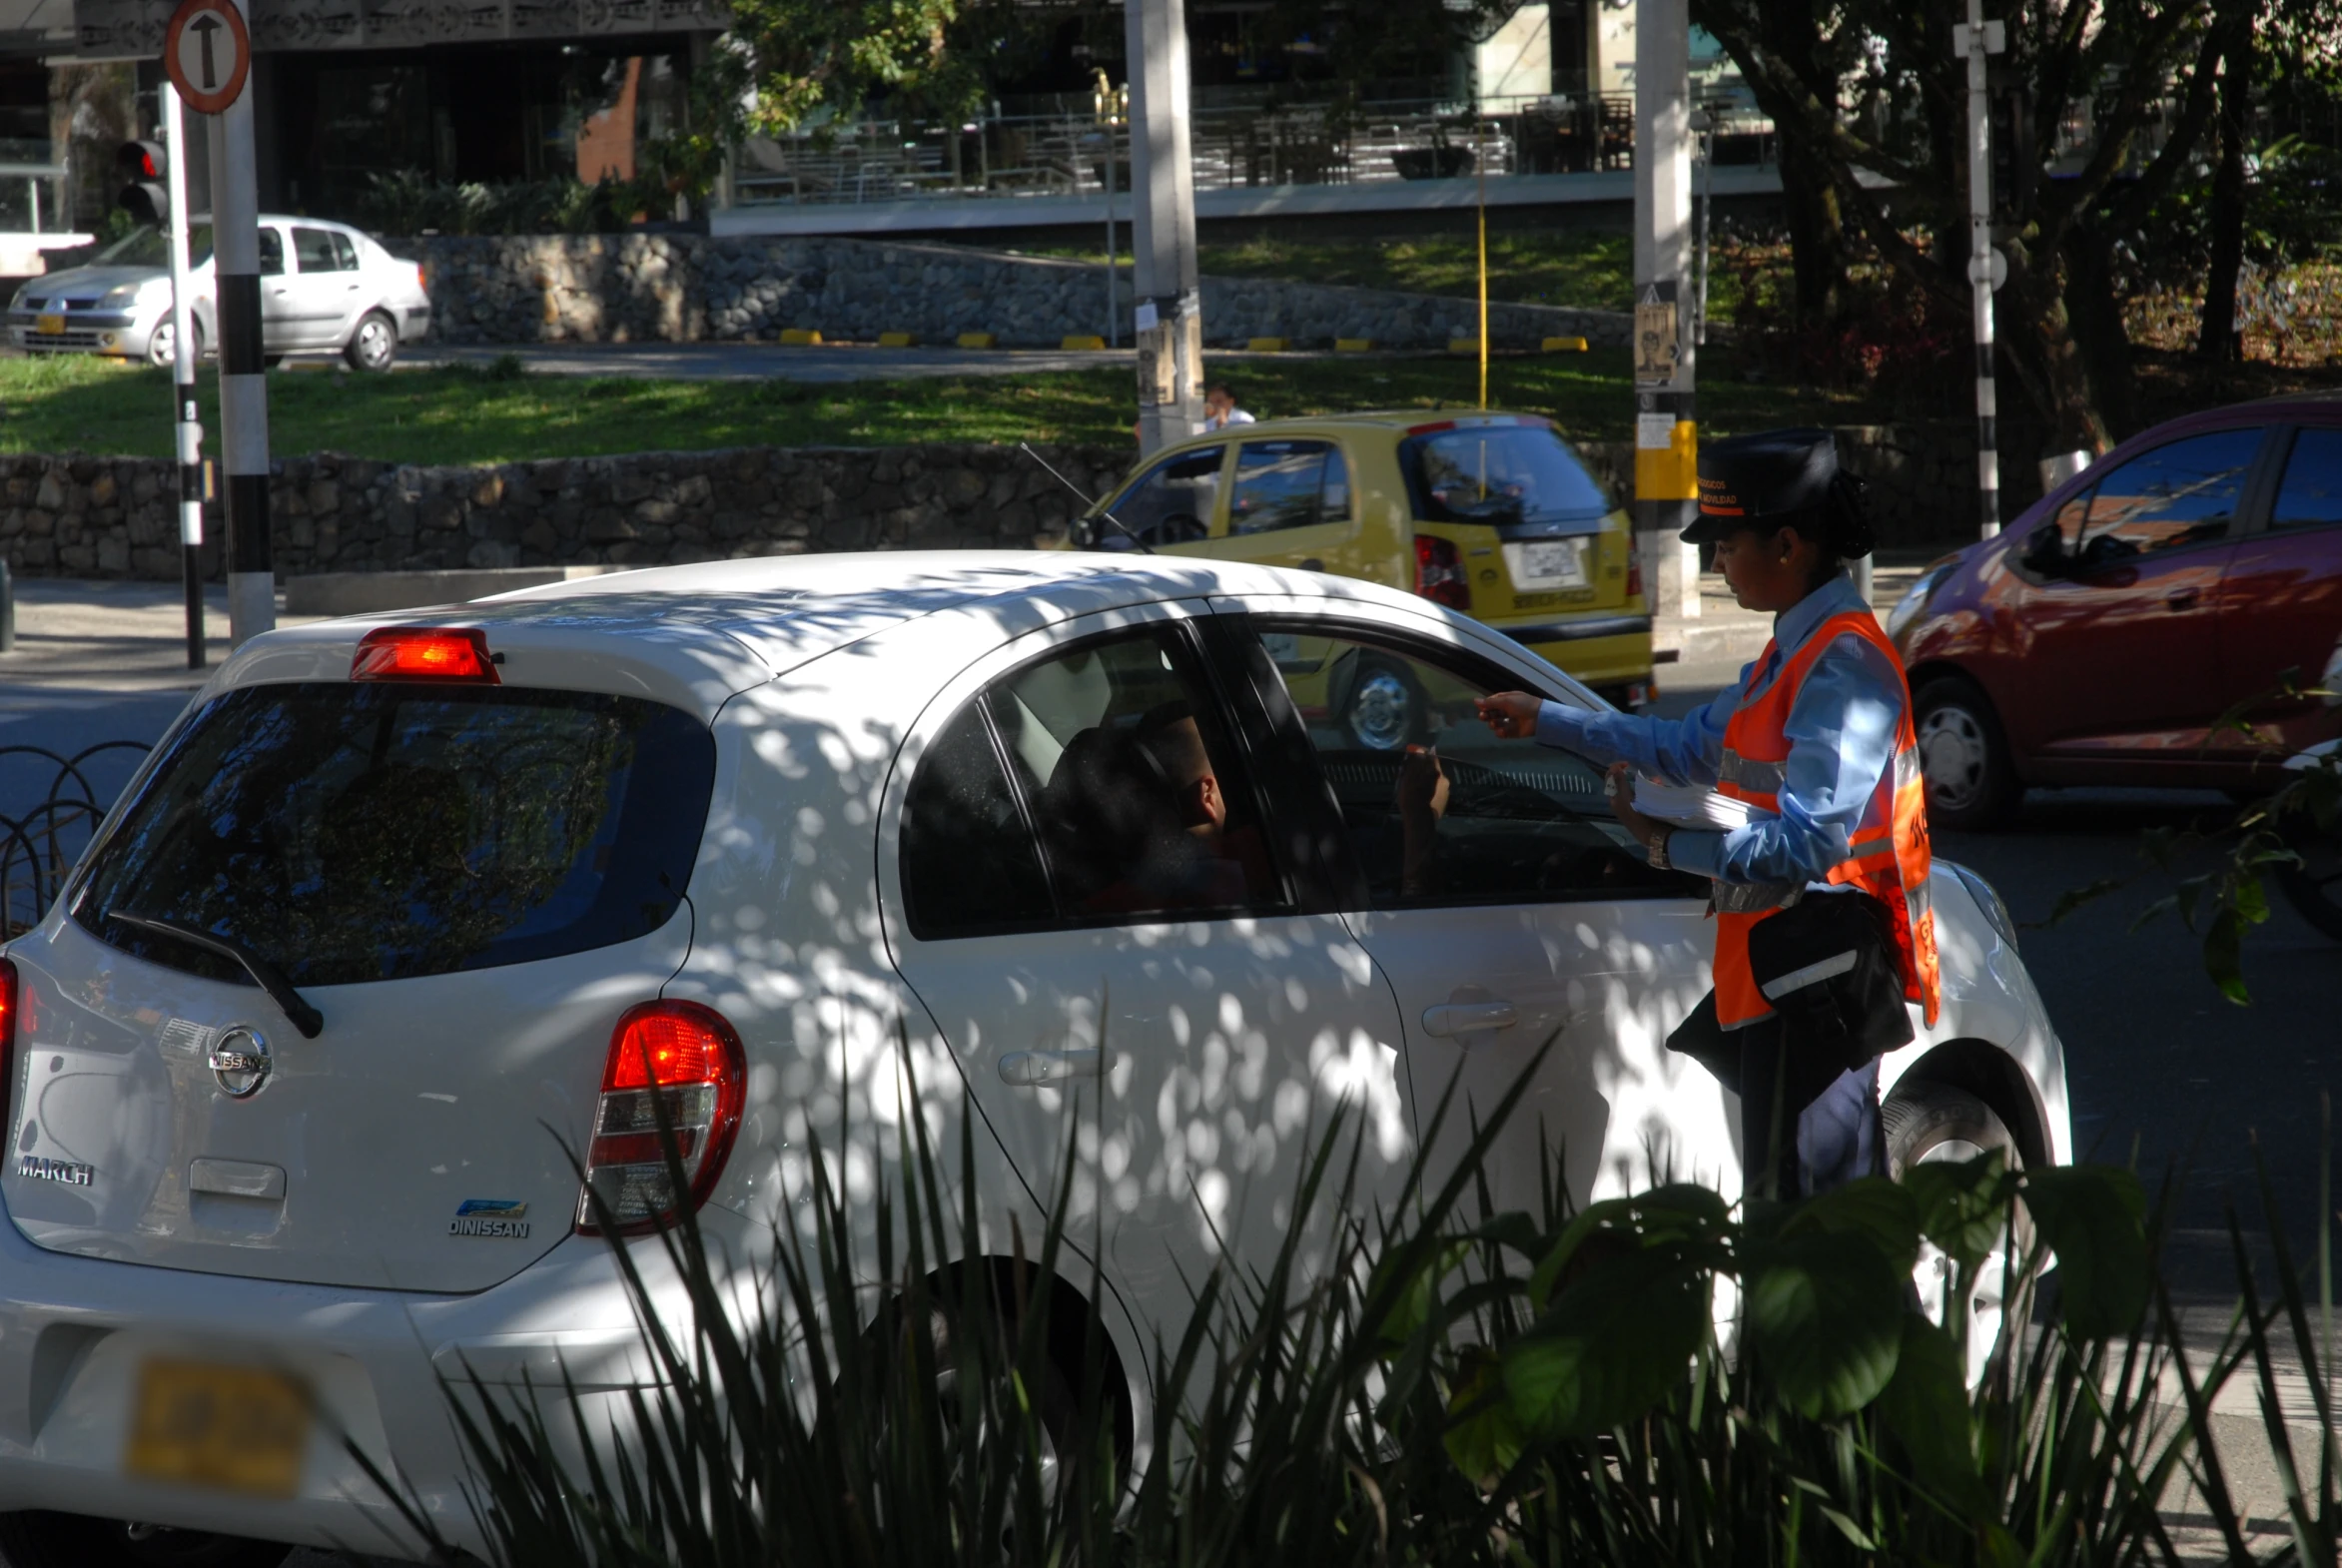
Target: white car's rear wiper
(265, 975)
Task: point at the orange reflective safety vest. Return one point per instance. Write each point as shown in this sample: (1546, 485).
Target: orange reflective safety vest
(1887, 859)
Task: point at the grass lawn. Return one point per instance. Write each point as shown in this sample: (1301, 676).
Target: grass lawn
(467, 414)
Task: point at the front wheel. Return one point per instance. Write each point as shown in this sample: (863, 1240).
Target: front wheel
(1964, 755)
(1926, 1122)
(64, 1540)
(374, 346)
(162, 345)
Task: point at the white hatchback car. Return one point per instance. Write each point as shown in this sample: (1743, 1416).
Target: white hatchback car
(393, 910)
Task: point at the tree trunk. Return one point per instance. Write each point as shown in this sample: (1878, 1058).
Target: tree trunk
(1817, 234)
(2217, 336)
(2093, 312)
(2039, 345)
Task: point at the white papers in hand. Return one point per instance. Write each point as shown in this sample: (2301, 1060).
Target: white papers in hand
(1689, 805)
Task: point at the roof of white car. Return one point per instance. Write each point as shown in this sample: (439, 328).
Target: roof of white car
(720, 626)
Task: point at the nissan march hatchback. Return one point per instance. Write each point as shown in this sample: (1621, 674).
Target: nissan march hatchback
(407, 911)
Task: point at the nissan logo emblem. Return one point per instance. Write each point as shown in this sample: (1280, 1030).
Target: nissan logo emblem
(240, 1062)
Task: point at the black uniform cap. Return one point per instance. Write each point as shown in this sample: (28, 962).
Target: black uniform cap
(1780, 478)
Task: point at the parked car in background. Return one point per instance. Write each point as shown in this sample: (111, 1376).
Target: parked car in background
(2162, 619)
(406, 907)
(1489, 513)
(324, 288)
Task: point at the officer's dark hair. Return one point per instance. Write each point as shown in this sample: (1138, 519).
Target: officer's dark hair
(1840, 527)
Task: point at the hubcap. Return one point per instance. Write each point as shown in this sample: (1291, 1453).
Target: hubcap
(373, 342)
(1381, 711)
(1952, 755)
(162, 348)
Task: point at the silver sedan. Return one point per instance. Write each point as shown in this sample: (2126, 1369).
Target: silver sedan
(324, 288)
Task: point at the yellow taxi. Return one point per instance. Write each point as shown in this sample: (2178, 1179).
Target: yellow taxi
(1489, 513)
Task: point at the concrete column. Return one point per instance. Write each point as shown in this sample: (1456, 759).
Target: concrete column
(244, 387)
(1666, 435)
(1169, 306)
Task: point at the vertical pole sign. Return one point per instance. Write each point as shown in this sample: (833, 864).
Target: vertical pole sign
(184, 352)
(206, 53)
(1169, 314)
(1976, 39)
(1666, 464)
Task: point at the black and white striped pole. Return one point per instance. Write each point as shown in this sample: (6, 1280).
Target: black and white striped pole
(184, 352)
(208, 53)
(1976, 39)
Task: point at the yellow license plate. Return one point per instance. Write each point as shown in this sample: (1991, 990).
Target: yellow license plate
(48, 324)
(232, 1428)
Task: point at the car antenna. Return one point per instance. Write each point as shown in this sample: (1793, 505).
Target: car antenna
(1122, 526)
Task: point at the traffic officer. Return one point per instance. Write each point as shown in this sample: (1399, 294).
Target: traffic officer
(1816, 739)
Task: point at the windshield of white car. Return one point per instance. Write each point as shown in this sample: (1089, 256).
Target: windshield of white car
(352, 832)
(149, 247)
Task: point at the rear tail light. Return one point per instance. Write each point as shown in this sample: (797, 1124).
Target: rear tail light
(1440, 572)
(1634, 568)
(426, 653)
(686, 1059)
(9, 994)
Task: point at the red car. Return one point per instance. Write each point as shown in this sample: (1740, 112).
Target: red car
(2141, 624)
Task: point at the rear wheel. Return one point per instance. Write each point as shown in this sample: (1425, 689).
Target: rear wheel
(64, 1540)
(1382, 706)
(1926, 1122)
(373, 344)
(1972, 781)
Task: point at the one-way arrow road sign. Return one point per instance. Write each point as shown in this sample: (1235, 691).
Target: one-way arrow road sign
(208, 53)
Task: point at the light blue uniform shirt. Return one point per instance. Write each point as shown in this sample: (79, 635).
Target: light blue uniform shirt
(1841, 732)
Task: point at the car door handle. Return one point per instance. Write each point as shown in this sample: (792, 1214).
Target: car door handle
(1033, 1069)
(1447, 1019)
(2182, 598)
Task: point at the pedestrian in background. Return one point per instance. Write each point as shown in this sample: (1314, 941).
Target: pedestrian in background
(1219, 409)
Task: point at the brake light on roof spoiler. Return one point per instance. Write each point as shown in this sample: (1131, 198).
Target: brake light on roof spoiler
(449, 653)
(1472, 421)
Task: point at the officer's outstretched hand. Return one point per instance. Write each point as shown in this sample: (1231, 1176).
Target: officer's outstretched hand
(1512, 714)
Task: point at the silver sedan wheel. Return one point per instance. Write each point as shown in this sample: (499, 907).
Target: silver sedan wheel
(162, 345)
(1955, 756)
(373, 344)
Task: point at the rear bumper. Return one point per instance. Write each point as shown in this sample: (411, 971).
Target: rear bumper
(75, 1333)
(1599, 650)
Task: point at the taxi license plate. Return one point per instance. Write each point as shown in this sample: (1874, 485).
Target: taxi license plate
(231, 1428)
(48, 324)
(1547, 563)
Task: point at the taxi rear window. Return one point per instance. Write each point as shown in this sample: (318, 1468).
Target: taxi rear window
(358, 830)
(1501, 475)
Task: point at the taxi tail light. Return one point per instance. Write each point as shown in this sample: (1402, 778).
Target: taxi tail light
(1440, 572)
(457, 653)
(1634, 568)
(675, 1063)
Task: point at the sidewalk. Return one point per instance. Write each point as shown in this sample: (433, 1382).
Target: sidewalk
(1723, 636)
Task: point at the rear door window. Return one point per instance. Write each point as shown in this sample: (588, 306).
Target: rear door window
(383, 831)
(1288, 484)
(1501, 475)
(314, 251)
(2311, 497)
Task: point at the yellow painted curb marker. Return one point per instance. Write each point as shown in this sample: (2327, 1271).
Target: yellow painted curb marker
(1267, 345)
(801, 337)
(894, 340)
(1564, 346)
(978, 340)
(1083, 341)
(1354, 346)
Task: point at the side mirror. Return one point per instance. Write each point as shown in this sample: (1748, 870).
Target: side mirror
(2045, 553)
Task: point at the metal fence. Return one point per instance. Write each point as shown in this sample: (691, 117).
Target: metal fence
(1081, 151)
(68, 797)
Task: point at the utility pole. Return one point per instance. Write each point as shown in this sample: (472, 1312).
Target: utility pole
(1976, 39)
(1169, 316)
(182, 363)
(1666, 435)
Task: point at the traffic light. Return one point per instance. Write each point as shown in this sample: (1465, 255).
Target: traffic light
(144, 167)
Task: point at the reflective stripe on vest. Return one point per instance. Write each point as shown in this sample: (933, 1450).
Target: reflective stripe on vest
(1888, 859)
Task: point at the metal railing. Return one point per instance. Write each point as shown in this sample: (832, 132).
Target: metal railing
(40, 846)
(1067, 152)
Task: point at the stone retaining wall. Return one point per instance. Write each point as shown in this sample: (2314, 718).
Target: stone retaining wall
(116, 516)
(686, 287)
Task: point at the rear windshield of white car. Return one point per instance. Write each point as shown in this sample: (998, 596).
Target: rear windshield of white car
(383, 831)
(1502, 476)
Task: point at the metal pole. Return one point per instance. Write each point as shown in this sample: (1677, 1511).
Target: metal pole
(1480, 164)
(1665, 436)
(182, 363)
(1977, 39)
(1704, 127)
(1169, 314)
(244, 388)
(1113, 327)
